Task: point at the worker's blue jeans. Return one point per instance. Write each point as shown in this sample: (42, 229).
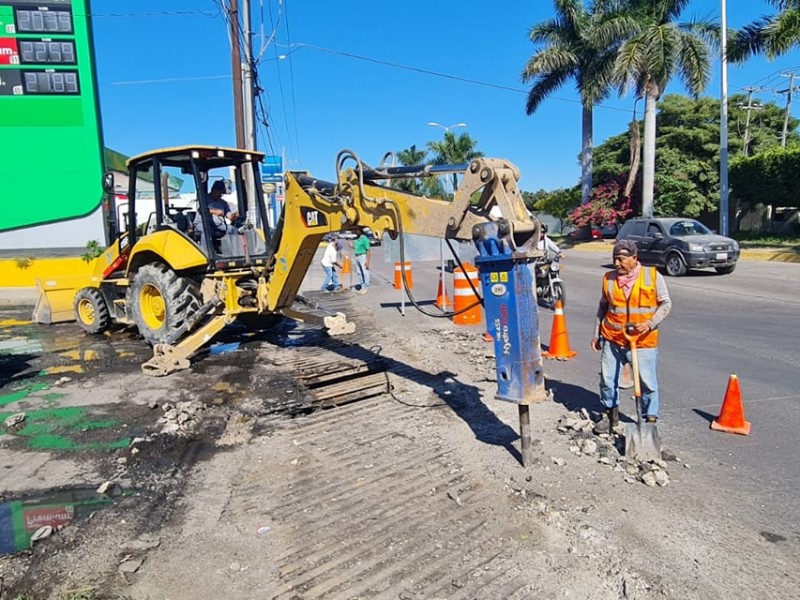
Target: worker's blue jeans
(331, 279)
(363, 271)
(612, 360)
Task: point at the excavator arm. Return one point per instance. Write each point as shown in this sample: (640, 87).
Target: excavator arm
(314, 208)
(505, 240)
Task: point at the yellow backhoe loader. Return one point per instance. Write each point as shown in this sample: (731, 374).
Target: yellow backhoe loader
(182, 276)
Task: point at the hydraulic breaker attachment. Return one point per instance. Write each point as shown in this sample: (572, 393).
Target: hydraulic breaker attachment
(512, 320)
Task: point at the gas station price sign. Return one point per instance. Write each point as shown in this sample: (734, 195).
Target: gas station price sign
(48, 107)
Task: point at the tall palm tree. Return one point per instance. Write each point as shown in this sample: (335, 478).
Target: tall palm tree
(454, 150)
(771, 35)
(578, 44)
(651, 57)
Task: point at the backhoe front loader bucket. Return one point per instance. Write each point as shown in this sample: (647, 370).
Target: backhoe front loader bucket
(54, 297)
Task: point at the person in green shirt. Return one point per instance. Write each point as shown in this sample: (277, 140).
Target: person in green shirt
(361, 249)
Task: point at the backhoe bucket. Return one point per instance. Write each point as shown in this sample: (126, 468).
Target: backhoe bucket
(54, 297)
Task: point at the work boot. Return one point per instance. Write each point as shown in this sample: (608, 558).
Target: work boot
(608, 423)
(651, 419)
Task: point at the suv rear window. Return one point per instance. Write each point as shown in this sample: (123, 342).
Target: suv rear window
(632, 228)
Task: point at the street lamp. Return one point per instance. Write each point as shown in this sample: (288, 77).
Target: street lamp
(723, 125)
(446, 127)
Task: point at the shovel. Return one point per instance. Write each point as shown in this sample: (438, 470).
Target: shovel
(641, 439)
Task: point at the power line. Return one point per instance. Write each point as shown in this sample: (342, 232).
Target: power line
(291, 85)
(299, 45)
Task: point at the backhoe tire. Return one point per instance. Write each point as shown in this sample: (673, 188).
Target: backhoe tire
(160, 302)
(91, 311)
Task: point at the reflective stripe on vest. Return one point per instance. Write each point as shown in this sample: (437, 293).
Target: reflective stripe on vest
(640, 306)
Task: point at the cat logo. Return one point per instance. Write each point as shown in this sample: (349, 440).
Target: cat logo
(313, 218)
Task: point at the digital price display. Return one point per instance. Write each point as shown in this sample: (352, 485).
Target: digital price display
(35, 52)
(49, 103)
(43, 20)
(51, 82)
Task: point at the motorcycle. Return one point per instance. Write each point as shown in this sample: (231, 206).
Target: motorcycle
(549, 286)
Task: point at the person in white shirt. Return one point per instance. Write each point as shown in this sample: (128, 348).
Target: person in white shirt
(551, 249)
(329, 262)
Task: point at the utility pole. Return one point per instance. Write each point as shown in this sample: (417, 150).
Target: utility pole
(788, 107)
(249, 116)
(236, 69)
(723, 126)
(750, 106)
(249, 88)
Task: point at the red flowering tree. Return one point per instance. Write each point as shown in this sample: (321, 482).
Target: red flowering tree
(606, 207)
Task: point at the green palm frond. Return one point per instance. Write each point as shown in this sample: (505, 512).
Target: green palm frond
(543, 87)
(785, 4)
(571, 12)
(551, 60)
(749, 41)
(545, 32)
(411, 156)
(695, 63)
(705, 29)
(610, 29)
(783, 33)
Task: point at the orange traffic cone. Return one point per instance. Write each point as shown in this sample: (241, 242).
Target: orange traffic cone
(442, 301)
(731, 415)
(346, 267)
(401, 269)
(559, 339)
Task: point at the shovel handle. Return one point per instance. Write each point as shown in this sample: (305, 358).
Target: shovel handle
(637, 388)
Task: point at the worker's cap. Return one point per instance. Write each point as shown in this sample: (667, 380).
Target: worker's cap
(625, 248)
(218, 186)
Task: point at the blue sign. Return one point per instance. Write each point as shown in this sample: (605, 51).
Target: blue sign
(272, 169)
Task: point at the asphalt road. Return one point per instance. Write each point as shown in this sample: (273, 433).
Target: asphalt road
(743, 324)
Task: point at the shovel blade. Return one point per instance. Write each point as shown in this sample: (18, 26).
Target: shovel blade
(642, 442)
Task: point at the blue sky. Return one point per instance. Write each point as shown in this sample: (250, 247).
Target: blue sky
(164, 79)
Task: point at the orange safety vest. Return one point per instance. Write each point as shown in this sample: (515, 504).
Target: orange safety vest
(638, 307)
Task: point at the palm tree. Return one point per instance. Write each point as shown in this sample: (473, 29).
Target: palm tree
(651, 57)
(771, 35)
(454, 150)
(579, 44)
(430, 186)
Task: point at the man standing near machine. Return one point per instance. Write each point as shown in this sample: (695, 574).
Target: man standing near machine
(633, 296)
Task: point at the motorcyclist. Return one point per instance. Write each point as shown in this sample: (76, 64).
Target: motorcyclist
(551, 249)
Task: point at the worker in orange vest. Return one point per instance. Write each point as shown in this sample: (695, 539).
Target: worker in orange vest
(636, 297)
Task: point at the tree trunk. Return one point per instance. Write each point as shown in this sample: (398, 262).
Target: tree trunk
(636, 156)
(649, 151)
(586, 154)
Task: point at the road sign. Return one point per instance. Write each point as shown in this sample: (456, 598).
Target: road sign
(272, 169)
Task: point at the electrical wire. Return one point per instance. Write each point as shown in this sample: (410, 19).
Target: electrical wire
(298, 45)
(292, 87)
